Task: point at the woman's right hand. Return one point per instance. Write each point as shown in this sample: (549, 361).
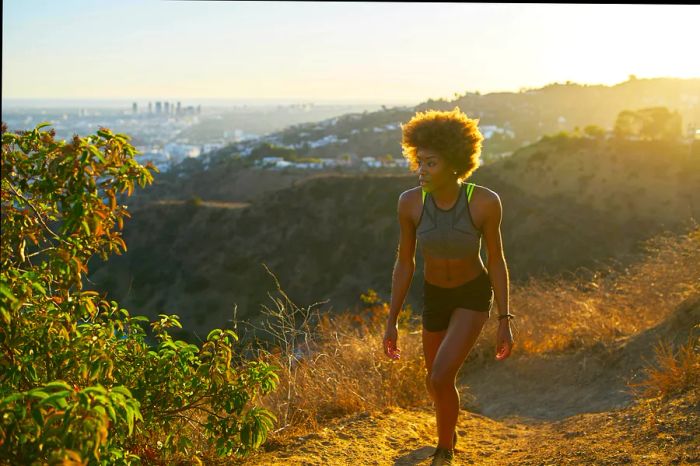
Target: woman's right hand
(504, 340)
(390, 340)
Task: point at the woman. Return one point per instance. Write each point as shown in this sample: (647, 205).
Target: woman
(448, 217)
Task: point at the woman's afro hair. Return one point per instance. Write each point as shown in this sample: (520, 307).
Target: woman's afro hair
(451, 134)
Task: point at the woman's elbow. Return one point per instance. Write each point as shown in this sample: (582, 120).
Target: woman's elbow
(406, 263)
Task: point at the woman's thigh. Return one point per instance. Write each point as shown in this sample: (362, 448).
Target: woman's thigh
(431, 343)
(440, 306)
(461, 335)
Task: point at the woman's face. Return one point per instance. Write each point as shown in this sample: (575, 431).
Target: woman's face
(433, 170)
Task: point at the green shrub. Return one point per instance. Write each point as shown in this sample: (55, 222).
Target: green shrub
(79, 379)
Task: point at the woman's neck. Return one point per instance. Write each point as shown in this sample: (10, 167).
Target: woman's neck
(447, 196)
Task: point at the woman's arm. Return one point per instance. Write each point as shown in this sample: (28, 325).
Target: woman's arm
(498, 270)
(405, 259)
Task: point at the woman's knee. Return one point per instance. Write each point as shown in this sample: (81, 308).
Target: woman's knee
(440, 379)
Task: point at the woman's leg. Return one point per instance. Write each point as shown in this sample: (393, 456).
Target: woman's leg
(462, 332)
(431, 343)
(435, 320)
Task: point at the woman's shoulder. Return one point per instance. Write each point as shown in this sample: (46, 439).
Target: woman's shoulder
(479, 187)
(411, 199)
(411, 194)
(484, 194)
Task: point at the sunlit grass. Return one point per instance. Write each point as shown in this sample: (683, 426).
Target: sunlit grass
(674, 371)
(341, 368)
(560, 313)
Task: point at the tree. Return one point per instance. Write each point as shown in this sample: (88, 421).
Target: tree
(660, 123)
(594, 131)
(628, 124)
(653, 123)
(79, 382)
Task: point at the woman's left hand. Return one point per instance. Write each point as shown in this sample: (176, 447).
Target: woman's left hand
(504, 340)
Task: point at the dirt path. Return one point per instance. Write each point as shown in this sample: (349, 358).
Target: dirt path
(401, 437)
(547, 409)
(406, 437)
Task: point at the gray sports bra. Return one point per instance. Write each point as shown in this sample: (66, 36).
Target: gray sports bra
(448, 234)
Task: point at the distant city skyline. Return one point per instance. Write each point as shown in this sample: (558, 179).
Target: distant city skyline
(209, 102)
(336, 52)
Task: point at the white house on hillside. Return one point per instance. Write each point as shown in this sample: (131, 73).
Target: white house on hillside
(272, 160)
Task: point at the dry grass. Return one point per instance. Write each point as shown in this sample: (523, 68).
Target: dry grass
(672, 381)
(341, 368)
(559, 314)
(675, 371)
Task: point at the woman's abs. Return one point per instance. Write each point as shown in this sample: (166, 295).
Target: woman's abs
(448, 273)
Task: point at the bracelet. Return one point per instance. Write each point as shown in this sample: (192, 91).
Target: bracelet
(504, 316)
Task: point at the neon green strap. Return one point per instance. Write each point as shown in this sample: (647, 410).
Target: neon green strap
(470, 190)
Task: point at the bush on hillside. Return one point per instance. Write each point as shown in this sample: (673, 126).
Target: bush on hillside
(79, 380)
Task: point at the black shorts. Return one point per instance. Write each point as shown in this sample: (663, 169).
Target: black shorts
(439, 302)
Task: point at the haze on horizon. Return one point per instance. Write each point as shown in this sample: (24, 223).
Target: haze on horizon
(396, 53)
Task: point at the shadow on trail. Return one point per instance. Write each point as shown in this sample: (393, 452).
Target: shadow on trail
(415, 457)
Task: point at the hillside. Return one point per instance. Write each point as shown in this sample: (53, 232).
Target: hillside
(230, 182)
(568, 204)
(653, 181)
(522, 117)
(535, 112)
(263, 119)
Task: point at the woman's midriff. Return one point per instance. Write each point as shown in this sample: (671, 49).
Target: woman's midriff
(449, 273)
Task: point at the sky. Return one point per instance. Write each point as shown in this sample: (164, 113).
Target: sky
(392, 52)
